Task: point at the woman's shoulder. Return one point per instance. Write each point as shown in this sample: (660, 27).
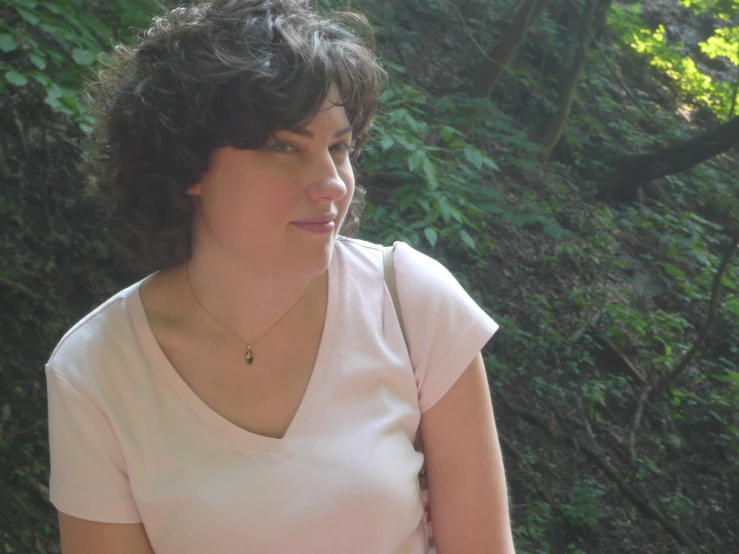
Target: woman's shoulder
(402, 250)
(358, 245)
(417, 274)
(96, 338)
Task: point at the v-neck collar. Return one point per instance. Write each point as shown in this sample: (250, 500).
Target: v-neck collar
(213, 419)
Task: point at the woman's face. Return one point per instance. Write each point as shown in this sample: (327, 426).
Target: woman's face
(254, 204)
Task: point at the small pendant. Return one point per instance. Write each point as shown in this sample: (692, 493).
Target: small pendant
(249, 356)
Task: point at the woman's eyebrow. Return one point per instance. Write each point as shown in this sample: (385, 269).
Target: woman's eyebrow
(309, 134)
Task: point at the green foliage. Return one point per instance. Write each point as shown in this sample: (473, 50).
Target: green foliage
(679, 504)
(447, 181)
(645, 468)
(531, 535)
(586, 510)
(723, 9)
(57, 44)
(724, 42)
(626, 21)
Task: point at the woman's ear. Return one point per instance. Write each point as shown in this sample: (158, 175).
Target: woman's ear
(193, 190)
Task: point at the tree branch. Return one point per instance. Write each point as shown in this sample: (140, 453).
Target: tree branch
(17, 286)
(637, 420)
(668, 379)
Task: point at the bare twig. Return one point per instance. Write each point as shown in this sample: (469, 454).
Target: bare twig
(629, 365)
(586, 422)
(21, 134)
(637, 420)
(17, 286)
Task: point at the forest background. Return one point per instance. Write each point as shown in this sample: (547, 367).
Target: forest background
(573, 162)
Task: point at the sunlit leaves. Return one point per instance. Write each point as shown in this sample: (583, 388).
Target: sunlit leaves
(723, 9)
(627, 23)
(724, 42)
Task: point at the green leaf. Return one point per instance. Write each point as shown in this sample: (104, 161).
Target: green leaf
(728, 283)
(16, 79)
(38, 61)
(406, 144)
(553, 230)
(456, 214)
(406, 202)
(54, 91)
(444, 207)
(431, 236)
(673, 270)
(7, 42)
(53, 9)
(448, 132)
(387, 142)
(430, 171)
(40, 77)
(416, 159)
(490, 163)
(467, 239)
(82, 57)
(474, 156)
(53, 102)
(30, 17)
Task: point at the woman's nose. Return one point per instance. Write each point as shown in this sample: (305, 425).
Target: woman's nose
(328, 181)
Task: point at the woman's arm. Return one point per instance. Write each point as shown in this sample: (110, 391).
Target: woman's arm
(82, 536)
(467, 488)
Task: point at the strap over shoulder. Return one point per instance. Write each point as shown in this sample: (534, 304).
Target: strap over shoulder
(388, 263)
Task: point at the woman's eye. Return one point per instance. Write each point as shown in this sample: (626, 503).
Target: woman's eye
(282, 147)
(344, 147)
(288, 147)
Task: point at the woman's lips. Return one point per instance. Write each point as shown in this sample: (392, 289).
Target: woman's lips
(326, 227)
(320, 224)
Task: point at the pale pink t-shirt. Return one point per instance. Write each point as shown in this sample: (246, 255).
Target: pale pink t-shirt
(131, 442)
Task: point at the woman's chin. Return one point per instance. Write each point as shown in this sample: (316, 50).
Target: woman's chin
(311, 261)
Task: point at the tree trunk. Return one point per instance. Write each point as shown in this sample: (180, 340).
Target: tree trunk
(634, 171)
(599, 27)
(503, 51)
(559, 121)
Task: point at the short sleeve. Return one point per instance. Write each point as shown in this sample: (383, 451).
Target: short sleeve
(444, 326)
(88, 475)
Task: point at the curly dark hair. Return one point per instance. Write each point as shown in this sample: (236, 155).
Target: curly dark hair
(205, 76)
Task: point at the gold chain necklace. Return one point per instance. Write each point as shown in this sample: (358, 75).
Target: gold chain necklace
(249, 354)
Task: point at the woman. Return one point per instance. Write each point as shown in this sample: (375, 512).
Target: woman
(254, 394)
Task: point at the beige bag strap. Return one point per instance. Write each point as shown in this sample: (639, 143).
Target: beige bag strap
(387, 259)
(387, 262)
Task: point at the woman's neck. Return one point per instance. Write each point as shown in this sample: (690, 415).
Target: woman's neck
(246, 301)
